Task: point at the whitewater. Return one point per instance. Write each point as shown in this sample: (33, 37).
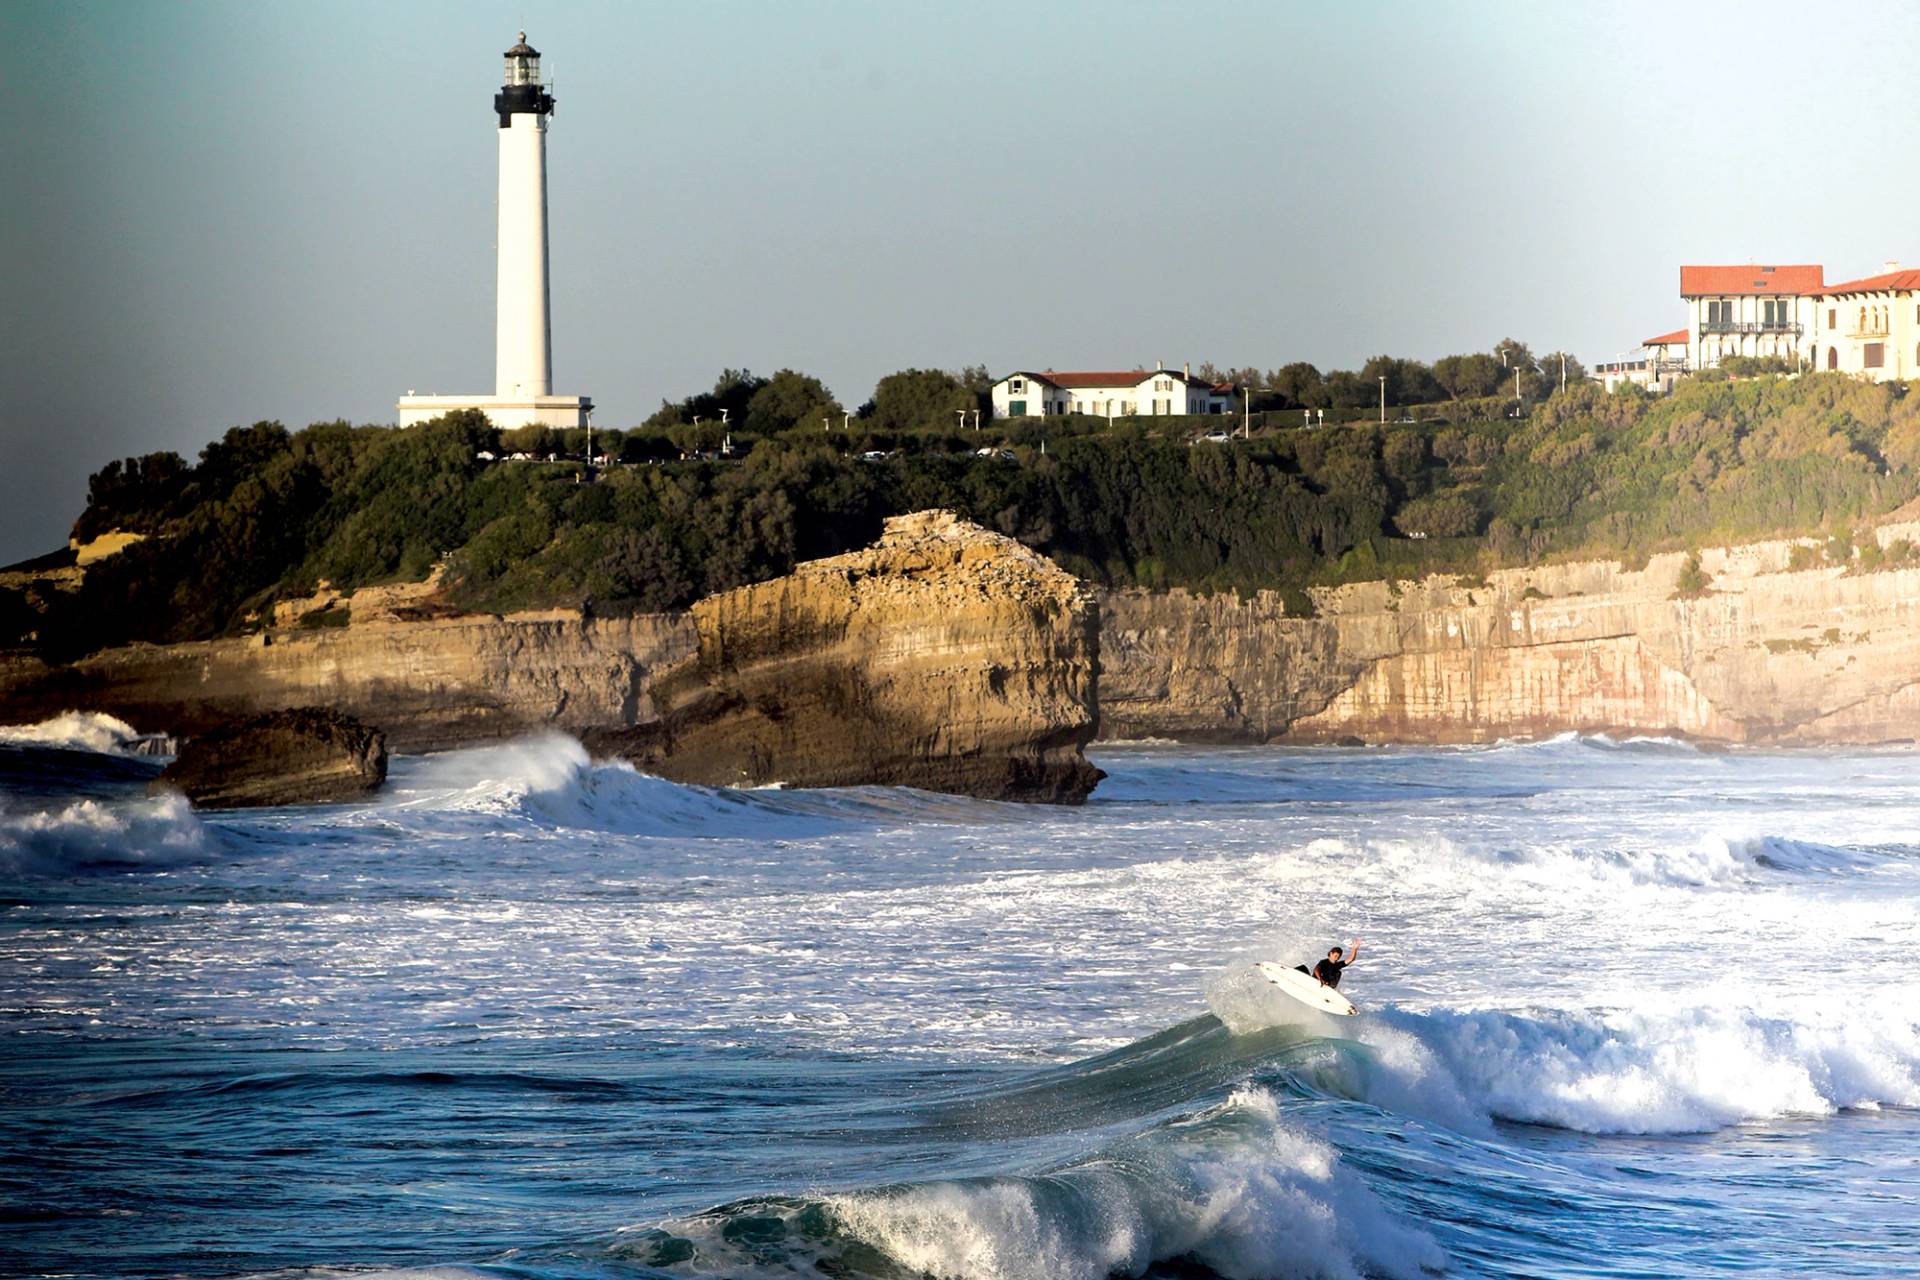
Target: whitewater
(1630, 1009)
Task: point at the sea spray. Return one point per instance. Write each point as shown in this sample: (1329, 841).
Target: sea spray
(93, 835)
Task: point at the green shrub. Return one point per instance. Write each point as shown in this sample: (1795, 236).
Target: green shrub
(1692, 582)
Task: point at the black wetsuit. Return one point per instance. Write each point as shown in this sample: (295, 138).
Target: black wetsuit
(1328, 971)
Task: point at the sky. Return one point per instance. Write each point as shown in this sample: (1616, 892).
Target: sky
(222, 213)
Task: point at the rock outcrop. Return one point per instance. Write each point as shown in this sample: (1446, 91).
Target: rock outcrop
(431, 684)
(943, 657)
(302, 756)
(1765, 653)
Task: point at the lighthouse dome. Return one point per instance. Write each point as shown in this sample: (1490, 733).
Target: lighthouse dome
(523, 49)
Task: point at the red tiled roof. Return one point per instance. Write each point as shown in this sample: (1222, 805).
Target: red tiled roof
(1874, 284)
(1753, 278)
(1678, 338)
(1110, 377)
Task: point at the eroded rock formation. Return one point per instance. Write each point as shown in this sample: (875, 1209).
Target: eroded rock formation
(943, 657)
(433, 684)
(305, 755)
(1764, 654)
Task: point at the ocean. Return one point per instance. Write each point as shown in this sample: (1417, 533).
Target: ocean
(1629, 1008)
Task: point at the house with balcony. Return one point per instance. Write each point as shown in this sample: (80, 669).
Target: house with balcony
(1870, 327)
(1654, 366)
(1753, 310)
(1123, 393)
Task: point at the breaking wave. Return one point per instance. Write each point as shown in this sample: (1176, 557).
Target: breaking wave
(551, 781)
(89, 835)
(1233, 1189)
(1607, 1071)
(86, 731)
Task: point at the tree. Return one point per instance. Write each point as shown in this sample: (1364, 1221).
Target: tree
(1299, 385)
(1468, 377)
(1408, 381)
(1440, 515)
(1547, 379)
(790, 399)
(1514, 354)
(534, 438)
(915, 398)
(732, 392)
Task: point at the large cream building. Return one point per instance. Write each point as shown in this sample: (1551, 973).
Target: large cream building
(1871, 326)
(1868, 327)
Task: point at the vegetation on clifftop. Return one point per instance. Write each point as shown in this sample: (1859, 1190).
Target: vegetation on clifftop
(267, 513)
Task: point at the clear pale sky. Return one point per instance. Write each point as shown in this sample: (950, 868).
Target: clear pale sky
(216, 213)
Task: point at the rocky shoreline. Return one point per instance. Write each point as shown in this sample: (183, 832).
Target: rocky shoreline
(952, 658)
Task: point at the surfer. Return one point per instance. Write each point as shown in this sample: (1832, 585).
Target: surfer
(1327, 972)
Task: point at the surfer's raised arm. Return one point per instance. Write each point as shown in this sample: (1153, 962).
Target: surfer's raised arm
(1353, 952)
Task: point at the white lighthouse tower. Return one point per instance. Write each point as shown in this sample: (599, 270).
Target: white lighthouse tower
(523, 333)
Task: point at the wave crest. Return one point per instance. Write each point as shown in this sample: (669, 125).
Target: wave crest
(550, 781)
(86, 731)
(89, 836)
(1598, 1071)
(1233, 1188)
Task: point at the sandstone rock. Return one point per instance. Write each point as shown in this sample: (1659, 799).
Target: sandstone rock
(1765, 654)
(943, 657)
(301, 756)
(431, 685)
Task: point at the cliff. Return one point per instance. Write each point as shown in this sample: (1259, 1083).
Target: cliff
(943, 657)
(1764, 653)
(431, 684)
(953, 647)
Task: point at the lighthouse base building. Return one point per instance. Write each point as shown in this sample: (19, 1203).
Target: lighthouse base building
(502, 411)
(523, 352)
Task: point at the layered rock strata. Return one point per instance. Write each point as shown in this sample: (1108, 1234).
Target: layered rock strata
(305, 755)
(1764, 653)
(943, 657)
(431, 685)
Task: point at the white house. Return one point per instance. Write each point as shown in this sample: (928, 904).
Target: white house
(1870, 327)
(1752, 310)
(1111, 394)
(1654, 365)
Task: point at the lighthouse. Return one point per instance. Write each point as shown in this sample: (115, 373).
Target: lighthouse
(523, 328)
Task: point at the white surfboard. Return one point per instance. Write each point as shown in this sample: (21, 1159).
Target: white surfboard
(1305, 988)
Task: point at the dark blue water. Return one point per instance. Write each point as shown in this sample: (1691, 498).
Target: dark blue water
(529, 1017)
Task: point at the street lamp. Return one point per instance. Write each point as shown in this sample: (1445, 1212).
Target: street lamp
(1383, 397)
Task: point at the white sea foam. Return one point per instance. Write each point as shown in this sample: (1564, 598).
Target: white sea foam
(76, 731)
(551, 781)
(1683, 1071)
(1234, 1186)
(91, 835)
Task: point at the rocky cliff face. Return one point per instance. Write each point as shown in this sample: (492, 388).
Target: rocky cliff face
(957, 643)
(305, 755)
(429, 684)
(943, 657)
(1764, 654)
